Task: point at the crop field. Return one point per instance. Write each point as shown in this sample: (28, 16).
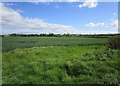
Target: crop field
(58, 60)
(10, 43)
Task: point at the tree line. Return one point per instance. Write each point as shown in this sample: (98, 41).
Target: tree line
(60, 35)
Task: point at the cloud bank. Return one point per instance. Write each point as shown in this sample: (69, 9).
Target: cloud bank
(94, 25)
(113, 24)
(13, 22)
(89, 4)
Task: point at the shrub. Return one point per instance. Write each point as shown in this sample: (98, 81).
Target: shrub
(76, 68)
(114, 42)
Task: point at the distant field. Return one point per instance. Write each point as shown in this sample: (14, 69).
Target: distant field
(61, 64)
(10, 43)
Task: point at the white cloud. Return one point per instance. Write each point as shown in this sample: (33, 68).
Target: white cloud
(114, 14)
(19, 11)
(10, 4)
(94, 25)
(89, 4)
(54, 0)
(57, 7)
(114, 24)
(12, 21)
(47, 2)
(72, 0)
(37, 2)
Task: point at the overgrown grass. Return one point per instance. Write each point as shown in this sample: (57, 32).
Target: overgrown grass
(10, 43)
(61, 64)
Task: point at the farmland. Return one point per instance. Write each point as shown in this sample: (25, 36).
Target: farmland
(10, 43)
(59, 60)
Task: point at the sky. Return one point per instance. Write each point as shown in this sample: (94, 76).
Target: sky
(88, 17)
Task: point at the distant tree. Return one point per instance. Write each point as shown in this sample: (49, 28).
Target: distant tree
(13, 34)
(50, 34)
(66, 35)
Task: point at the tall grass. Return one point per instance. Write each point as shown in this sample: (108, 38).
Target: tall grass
(61, 65)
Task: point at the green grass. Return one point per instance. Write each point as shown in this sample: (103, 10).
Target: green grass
(60, 64)
(10, 43)
(60, 60)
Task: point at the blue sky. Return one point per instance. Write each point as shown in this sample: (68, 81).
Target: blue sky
(99, 18)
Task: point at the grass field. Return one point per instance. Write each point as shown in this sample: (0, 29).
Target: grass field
(10, 43)
(55, 63)
(84, 65)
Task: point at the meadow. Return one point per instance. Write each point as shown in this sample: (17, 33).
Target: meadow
(59, 60)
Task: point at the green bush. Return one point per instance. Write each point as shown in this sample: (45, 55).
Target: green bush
(114, 42)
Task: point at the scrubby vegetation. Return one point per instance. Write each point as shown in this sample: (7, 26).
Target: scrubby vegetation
(114, 42)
